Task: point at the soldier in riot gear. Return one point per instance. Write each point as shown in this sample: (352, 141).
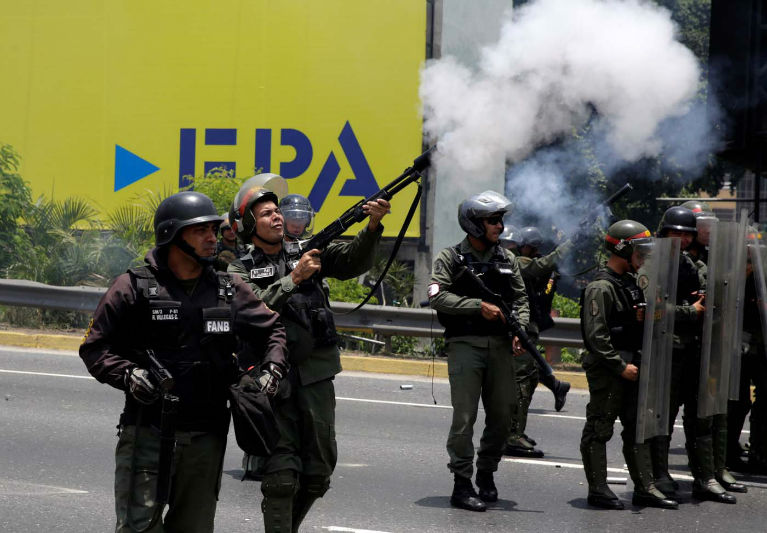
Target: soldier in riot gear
(612, 325)
(299, 470)
(477, 344)
(753, 371)
(680, 222)
(228, 248)
(539, 274)
(180, 309)
(697, 250)
(509, 238)
(299, 216)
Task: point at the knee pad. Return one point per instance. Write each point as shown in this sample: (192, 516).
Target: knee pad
(317, 486)
(281, 484)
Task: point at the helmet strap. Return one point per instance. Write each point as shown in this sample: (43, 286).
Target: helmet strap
(188, 250)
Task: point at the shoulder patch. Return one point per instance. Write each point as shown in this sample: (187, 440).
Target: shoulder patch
(432, 290)
(643, 281)
(438, 267)
(594, 308)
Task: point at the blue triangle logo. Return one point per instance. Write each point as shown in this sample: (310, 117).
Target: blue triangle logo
(129, 168)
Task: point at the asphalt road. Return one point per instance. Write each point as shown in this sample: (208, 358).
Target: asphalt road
(57, 438)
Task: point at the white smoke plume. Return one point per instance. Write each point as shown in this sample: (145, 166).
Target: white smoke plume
(557, 66)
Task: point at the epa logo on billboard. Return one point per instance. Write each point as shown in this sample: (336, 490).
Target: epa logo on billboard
(130, 168)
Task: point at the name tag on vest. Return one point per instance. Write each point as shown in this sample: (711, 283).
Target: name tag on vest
(266, 272)
(217, 326)
(166, 313)
(505, 270)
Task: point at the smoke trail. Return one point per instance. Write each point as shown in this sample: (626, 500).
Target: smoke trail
(559, 66)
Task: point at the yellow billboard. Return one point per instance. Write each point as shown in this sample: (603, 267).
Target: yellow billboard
(104, 99)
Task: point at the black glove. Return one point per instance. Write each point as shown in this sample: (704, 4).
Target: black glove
(268, 381)
(138, 384)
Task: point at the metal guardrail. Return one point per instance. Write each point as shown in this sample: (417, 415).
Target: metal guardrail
(381, 319)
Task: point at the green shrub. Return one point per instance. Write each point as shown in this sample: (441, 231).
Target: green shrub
(567, 307)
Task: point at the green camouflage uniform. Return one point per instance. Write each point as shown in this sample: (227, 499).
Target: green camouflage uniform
(305, 456)
(536, 272)
(479, 366)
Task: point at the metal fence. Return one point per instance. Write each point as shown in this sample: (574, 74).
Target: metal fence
(381, 319)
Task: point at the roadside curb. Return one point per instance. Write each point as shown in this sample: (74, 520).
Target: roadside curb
(380, 365)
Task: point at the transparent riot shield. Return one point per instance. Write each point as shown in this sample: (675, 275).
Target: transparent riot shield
(739, 291)
(726, 274)
(658, 279)
(758, 254)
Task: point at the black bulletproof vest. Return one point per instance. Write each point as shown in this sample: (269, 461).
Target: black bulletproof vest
(496, 274)
(308, 307)
(194, 339)
(625, 330)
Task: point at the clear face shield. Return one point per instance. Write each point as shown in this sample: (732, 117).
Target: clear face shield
(703, 224)
(299, 222)
(642, 248)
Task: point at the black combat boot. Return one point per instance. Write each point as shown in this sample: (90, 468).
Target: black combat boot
(488, 493)
(559, 388)
(659, 452)
(729, 483)
(711, 490)
(464, 496)
(521, 447)
(595, 466)
(639, 464)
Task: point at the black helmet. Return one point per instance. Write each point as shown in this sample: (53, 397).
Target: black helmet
(179, 211)
(624, 235)
(297, 208)
(697, 207)
(678, 219)
(259, 188)
(483, 205)
(530, 236)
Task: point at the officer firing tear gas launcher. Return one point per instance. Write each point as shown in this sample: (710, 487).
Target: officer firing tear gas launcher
(290, 280)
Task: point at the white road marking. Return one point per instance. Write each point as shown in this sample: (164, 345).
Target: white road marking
(340, 398)
(352, 530)
(387, 402)
(579, 466)
(351, 465)
(9, 487)
(44, 374)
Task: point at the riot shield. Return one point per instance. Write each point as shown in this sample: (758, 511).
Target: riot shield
(758, 254)
(726, 275)
(658, 279)
(739, 290)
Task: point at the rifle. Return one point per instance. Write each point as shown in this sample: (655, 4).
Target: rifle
(515, 329)
(355, 214)
(163, 380)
